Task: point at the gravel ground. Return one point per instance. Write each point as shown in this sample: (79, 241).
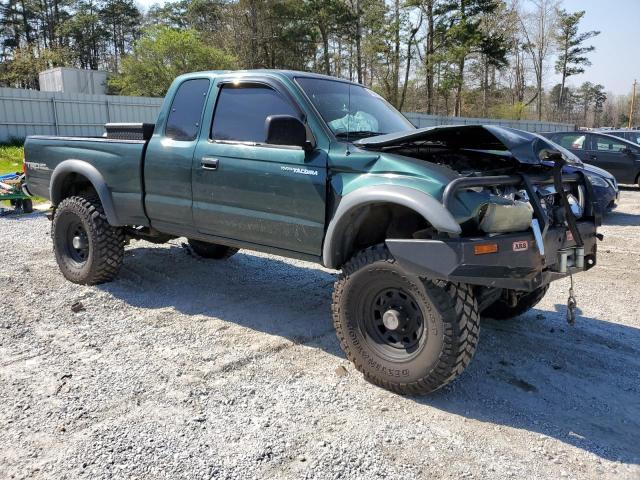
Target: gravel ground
(187, 368)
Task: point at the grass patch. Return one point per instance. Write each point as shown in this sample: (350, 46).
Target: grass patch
(11, 159)
(11, 162)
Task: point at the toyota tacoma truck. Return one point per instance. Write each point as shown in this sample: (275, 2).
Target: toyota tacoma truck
(431, 228)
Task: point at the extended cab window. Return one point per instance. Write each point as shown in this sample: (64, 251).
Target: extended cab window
(183, 122)
(241, 112)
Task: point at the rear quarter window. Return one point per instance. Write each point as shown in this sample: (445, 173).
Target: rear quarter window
(183, 122)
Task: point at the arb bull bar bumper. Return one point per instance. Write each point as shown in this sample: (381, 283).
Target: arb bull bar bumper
(519, 261)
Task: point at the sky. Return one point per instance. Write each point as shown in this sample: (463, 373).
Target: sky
(615, 60)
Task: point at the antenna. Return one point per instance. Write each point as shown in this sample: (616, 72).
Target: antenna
(349, 114)
(633, 102)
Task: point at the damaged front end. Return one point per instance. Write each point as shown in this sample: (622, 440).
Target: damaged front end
(525, 222)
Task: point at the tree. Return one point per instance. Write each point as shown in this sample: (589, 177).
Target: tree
(599, 99)
(591, 97)
(201, 15)
(121, 20)
(463, 30)
(86, 34)
(23, 69)
(472, 57)
(430, 50)
(572, 57)
(357, 15)
(160, 55)
(330, 17)
(537, 28)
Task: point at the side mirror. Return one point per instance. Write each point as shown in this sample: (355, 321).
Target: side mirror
(286, 130)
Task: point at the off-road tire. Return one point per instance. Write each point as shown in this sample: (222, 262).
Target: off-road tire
(501, 310)
(450, 324)
(104, 252)
(212, 250)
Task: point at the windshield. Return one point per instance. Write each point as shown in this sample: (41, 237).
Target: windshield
(352, 111)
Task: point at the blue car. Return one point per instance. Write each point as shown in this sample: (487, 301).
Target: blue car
(605, 186)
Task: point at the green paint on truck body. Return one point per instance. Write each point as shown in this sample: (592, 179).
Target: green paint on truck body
(264, 197)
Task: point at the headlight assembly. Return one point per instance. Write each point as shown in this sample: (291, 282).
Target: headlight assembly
(597, 181)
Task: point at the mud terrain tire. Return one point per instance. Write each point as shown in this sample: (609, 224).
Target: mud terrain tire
(406, 334)
(88, 250)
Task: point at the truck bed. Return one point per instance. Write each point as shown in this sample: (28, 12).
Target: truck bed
(119, 162)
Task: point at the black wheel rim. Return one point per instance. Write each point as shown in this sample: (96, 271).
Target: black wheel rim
(77, 242)
(394, 323)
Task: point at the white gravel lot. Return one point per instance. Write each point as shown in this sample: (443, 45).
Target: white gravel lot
(188, 368)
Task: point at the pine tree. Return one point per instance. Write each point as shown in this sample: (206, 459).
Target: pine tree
(572, 58)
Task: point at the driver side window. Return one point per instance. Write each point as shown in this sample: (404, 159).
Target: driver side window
(241, 112)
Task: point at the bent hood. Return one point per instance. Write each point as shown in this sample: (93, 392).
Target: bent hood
(525, 147)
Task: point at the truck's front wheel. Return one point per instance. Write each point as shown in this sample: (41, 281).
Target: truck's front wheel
(88, 250)
(404, 333)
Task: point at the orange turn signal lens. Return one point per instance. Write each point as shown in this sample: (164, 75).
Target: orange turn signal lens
(485, 248)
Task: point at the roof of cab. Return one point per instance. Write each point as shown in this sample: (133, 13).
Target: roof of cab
(270, 72)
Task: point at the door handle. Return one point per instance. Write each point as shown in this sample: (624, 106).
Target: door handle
(209, 163)
(593, 157)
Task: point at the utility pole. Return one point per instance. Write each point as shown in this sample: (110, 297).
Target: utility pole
(633, 103)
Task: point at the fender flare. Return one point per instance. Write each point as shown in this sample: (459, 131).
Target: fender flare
(92, 174)
(425, 205)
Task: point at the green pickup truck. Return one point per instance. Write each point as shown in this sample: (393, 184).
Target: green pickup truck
(431, 227)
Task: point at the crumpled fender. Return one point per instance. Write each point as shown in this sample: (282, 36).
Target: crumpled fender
(427, 206)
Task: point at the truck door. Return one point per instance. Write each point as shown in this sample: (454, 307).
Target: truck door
(167, 165)
(253, 192)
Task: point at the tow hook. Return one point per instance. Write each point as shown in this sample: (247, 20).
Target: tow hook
(572, 304)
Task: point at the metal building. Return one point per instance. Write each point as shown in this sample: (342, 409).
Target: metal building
(73, 80)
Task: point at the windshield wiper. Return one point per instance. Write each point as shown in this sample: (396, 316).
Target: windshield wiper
(359, 134)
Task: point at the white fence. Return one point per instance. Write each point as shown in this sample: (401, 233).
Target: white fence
(30, 112)
(423, 120)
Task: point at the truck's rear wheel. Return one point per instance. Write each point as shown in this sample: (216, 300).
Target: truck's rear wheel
(88, 250)
(403, 333)
(502, 309)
